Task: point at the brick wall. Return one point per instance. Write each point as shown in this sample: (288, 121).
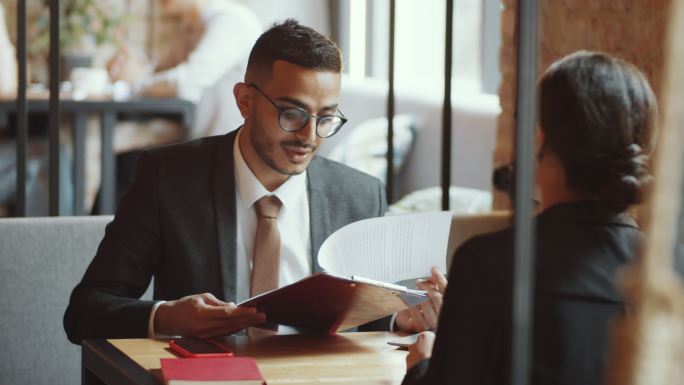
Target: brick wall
(631, 29)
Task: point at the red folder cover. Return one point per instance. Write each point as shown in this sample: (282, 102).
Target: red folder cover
(226, 370)
(326, 303)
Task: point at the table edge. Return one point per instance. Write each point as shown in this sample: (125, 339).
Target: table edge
(112, 366)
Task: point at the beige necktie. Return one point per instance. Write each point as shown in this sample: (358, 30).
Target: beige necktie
(266, 257)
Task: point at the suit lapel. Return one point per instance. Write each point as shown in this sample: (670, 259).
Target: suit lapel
(226, 218)
(319, 207)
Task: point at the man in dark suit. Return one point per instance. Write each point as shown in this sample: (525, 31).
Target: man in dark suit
(193, 217)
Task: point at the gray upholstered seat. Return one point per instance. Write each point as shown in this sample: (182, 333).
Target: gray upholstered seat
(41, 260)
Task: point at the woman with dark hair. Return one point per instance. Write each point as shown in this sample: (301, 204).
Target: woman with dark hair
(597, 118)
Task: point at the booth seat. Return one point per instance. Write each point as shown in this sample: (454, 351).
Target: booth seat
(41, 260)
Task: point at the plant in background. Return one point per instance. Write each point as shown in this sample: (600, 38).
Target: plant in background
(84, 25)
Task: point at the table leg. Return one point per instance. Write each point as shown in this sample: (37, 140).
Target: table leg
(80, 120)
(89, 378)
(108, 185)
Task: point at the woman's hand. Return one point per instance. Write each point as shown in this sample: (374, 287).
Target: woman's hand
(421, 349)
(426, 315)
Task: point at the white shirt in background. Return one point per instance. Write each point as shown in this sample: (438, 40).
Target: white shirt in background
(218, 61)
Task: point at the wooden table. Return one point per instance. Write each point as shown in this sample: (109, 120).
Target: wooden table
(109, 111)
(346, 358)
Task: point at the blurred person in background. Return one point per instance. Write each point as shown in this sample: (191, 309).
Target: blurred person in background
(201, 57)
(203, 47)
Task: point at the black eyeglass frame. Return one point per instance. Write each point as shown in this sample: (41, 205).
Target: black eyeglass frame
(282, 110)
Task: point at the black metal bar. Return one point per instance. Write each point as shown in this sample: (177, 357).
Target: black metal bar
(108, 178)
(54, 108)
(80, 120)
(22, 122)
(526, 25)
(446, 108)
(390, 107)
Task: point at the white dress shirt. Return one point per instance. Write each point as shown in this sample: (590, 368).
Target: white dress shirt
(230, 30)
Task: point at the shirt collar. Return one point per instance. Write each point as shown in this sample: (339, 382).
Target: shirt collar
(251, 190)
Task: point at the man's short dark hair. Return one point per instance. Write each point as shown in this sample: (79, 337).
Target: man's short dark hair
(297, 44)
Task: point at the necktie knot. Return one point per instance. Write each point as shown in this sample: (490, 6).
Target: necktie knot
(268, 207)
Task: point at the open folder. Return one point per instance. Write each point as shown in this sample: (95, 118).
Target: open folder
(359, 260)
(325, 303)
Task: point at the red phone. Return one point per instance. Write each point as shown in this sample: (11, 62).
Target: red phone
(196, 348)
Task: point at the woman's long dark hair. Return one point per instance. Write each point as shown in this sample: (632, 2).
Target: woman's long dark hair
(598, 115)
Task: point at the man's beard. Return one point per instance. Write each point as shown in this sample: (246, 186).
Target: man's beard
(264, 148)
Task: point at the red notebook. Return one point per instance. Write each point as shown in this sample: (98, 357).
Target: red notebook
(224, 370)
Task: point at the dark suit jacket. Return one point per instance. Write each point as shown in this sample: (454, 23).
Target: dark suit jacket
(579, 251)
(177, 222)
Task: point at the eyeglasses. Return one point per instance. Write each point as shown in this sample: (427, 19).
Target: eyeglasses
(293, 119)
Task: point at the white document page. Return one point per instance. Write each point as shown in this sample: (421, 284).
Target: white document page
(388, 249)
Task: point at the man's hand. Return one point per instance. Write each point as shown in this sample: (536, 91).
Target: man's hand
(203, 316)
(421, 349)
(425, 316)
